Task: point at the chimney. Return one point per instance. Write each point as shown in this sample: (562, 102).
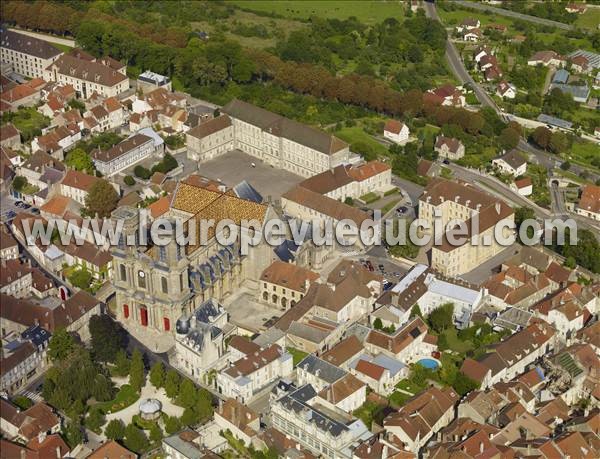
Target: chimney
(497, 208)
(481, 447)
(58, 453)
(41, 437)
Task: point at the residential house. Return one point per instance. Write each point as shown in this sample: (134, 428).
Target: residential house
(345, 395)
(25, 94)
(516, 287)
(15, 277)
(427, 168)
(468, 24)
(76, 185)
(580, 64)
(9, 247)
(396, 131)
(381, 373)
(57, 141)
(10, 136)
(506, 90)
(318, 372)
(112, 449)
(577, 8)
(422, 416)
(589, 202)
(547, 58)
(449, 147)
(473, 35)
(523, 186)
(447, 95)
(27, 55)
(241, 421)
(344, 353)
(29, 424)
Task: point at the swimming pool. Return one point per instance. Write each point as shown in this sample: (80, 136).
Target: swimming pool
(429, 363)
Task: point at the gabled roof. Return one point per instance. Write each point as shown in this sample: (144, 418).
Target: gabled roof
(26, 44)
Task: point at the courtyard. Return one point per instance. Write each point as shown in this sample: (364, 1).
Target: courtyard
(247, 313)
(236, 166)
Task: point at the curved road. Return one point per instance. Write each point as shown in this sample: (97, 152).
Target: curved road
(458, 68)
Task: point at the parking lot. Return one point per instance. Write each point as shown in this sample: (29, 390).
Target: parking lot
(9, 208)
(235, 166)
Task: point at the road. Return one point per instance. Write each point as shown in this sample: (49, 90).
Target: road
(458, 68)
(558, 200)
(514, 14)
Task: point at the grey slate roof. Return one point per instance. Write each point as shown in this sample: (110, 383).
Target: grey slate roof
(26, 44)
(553, 121)
(246, 191)
(284, 127)
(322, 369)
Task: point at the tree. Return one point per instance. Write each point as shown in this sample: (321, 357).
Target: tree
(559, 142)
(101, 199)
(440, 319)
(115, 430)
(463, 384)
(172, 425)
(509, 138)
(61, 345)
(107, 337)
(187, 393)
(377, 324)
(416, 311)
(136, 371)
(203, 407)
(122, 363)
(172, 384)
(541, 136)
(570, 262)
(135, 439)
(72, 434)
(79, 160)
(565, 166)
(129, 180)
(157, 375)
(189, 417)
(19, 183)
(141, 172)
(522, 214)
(156, 434)
(95, 419)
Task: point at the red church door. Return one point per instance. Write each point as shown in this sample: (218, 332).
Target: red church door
(126, 311)
(144, 316)
(167, 323)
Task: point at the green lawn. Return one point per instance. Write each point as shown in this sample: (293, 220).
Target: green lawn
(389, 206)
(297, 355)
(357, 134)
(409, 386)
(369, 12)
(367, 412)
(125, 397)
(456, 344)
(369, 197)
(589, 20)
(586, 153)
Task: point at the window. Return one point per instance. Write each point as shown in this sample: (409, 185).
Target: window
(165, 287)
(123, 271)
(141, 279)
(162, 254)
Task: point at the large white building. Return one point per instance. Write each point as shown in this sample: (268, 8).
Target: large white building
(124, 154)
(322, 432)
(87, 76)
(274, 139)
(27, 55)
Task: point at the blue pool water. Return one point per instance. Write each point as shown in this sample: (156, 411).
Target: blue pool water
(429, 363)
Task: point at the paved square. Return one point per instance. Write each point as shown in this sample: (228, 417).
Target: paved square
(235, 166)
(245, 311)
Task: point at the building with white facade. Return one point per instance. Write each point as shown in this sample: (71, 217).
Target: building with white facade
(396, 131)
(247, 376)
(199, 339)
(284, 284)
(274, 139)
(124, 154)
(589, 202)
(449, 147)
(511, 163)
(210, 139)
(76, 185)
(325, 434)
(87, 76)
(28, 56)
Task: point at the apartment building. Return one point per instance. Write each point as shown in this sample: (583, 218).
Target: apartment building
(124, 154)
(322, 432)
(15, 278)
(480, 212)
(272, 138)
(27, 55)
(87, 76)
(210, 139)
(252, 373)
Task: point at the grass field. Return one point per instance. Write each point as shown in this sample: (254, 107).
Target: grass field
(369, 12)
(356, 134)
(584, 153)
(589, 20)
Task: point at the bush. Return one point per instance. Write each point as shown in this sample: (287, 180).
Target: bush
(129, 180)
(142, 172)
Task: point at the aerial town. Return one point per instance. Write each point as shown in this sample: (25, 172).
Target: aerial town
(119, 117)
